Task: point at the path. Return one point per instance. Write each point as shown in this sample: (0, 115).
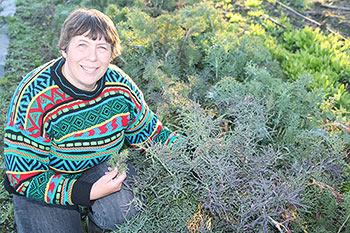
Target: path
(8, 9)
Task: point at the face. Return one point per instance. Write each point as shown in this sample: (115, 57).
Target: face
(86, 61)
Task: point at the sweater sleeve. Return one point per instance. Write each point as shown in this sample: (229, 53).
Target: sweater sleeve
(145, 127)
(27, 155)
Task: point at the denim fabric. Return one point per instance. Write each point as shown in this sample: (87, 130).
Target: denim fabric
(32, 216)
(115, 208)
(36, 217)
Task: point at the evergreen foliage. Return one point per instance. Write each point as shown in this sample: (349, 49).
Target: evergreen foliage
(260, 152)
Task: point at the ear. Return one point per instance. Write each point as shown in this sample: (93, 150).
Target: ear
(64, 54)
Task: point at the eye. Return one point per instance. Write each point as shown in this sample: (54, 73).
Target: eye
(102, 47)
(82, 45)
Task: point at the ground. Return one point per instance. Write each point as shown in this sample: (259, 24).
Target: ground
(336, 17)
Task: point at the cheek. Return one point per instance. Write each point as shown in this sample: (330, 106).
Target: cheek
(106, 58)
(105, 62)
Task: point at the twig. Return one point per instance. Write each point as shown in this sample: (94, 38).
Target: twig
(278, 225)
(161, 163)
(183, 45)
(275, 21)
(322, 185)
(322, 26)
(343, 223)
(338, 125)
(299, 14)
(335, 7)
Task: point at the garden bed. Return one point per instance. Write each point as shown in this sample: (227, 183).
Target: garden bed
(268, 151)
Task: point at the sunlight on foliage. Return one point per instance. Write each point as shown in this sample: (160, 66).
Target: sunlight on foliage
(252, 3)
(263, 111)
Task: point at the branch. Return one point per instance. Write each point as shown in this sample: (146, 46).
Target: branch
(341, 227)
(299, 14)
(278, 225)
(322, 26)
(334, 7)
(322, 185)
(183, 45)
(275, 21)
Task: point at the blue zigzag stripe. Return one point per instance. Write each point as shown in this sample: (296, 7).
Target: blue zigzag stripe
(20, 164)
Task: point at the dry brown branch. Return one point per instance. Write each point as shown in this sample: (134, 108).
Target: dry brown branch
(338, 125)
(299, 14)
(180, 5)
(335, 7)
(184, 43)
(275, 21)
(322, 185)
(322, 26)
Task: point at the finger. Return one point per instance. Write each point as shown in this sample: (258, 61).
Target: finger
(112, 169)
(120, 178)
(111, 174)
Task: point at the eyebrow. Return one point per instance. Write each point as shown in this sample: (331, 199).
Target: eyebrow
(86, 41)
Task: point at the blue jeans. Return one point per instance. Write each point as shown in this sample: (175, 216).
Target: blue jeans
(37, 217)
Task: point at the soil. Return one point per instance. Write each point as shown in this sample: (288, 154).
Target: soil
(335, 18)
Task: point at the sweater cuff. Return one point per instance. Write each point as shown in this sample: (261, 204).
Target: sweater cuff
(81, 193)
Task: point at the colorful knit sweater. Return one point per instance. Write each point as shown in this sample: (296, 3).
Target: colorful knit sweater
(55, 132)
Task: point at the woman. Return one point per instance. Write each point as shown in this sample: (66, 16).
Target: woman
(65, 120)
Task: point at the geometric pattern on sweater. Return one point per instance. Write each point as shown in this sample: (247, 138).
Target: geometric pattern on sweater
(53, 135)
(38, 107)
(37, 187)
(91, 117)
(60, 165)
(39, 78)
(20, 164)
(54, 187)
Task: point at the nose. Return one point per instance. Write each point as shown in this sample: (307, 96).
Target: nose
(92, 55)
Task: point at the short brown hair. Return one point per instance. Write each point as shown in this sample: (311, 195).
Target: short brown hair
(95, 23)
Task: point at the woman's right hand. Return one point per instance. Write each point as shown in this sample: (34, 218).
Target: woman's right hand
(107, 184)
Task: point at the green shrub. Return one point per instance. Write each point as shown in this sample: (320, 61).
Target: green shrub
(252, 110)
(325, 57)
(242, 183)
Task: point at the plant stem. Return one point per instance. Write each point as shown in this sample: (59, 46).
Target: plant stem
(166, 168)
(343, 223)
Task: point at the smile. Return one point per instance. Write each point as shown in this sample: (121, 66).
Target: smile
(89, 70)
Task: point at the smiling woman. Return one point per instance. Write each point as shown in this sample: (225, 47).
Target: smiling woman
(66, 119)
(86, 61)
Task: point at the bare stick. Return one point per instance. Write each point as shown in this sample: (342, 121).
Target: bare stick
(336, 7)
(341, 227)
(297, 13)
(183, 45)
(275, 21)
(311, 20)
(278, 225)
(322, 185)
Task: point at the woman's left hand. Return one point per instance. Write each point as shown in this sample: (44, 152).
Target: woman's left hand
(109, 183)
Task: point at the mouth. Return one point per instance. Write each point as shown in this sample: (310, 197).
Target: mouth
(89, 69)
